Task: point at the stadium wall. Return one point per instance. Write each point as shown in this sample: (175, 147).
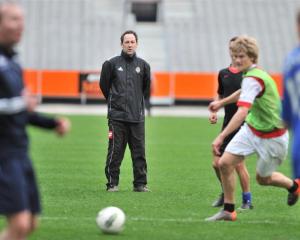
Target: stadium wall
(167, 87)
(185, 47)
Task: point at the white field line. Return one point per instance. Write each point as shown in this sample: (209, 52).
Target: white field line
(101, 110)
(165, 220)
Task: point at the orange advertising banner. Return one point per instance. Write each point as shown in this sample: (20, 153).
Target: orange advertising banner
(76, 84)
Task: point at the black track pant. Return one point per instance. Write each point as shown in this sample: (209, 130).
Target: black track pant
(121, 133)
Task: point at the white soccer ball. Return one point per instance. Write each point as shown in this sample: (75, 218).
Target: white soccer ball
(111, 220)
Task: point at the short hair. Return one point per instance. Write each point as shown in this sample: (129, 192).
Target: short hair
(129, 32)
(247, 45)
(231, 41)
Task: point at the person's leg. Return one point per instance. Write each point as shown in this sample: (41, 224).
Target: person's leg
(34, 222)
(216, 168)
(235, 152)
(136, 142)
(116, 148)
(227, 165)
(19, 226)
(276, 179)
(18, 195)
(271, 154)
(220, 200)
(244, 178)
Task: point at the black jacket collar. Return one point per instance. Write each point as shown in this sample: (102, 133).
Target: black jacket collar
(7, 51)
(128, 57)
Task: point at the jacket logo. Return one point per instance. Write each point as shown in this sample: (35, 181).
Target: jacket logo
(110, 135)
(137, 69)
(120, 69)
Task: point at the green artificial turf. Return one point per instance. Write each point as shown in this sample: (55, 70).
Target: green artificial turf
(71, 176)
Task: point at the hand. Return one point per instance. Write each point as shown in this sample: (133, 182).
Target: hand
(215, 106)
(217, 144)
(63, 126)
(213, 118)
(31, 101)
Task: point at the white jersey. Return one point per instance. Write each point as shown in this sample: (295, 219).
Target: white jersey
(250, 89)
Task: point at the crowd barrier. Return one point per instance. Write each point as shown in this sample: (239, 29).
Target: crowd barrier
(167, 87)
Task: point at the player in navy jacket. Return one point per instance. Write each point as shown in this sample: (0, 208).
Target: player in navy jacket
(19, 197)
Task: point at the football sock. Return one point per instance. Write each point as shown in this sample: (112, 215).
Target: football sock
(294, 187)
(229, 207)
(246, 197)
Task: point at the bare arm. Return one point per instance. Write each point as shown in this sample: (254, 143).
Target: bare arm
(213, 117)
(251, 88)
(217, 104)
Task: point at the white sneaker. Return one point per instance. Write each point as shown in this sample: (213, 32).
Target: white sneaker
(222, 216)
(112, 189)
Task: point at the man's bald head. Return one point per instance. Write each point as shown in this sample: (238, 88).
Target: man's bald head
(11, 23)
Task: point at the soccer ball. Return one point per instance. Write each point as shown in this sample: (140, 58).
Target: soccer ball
(111, 220)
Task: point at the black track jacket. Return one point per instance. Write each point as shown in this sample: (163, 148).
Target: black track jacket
(125, 82)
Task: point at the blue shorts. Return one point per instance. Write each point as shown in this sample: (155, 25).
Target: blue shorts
(18, 188)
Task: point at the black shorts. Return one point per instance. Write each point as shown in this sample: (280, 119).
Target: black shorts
(226, 141)
(18, 187)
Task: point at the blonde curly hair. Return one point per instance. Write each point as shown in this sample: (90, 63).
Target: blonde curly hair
(246, 45)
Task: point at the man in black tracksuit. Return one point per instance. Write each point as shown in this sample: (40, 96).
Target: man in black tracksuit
(125, 83)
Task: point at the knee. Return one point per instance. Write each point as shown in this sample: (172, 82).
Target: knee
(21, 225)
(263, 180)
(22, 228)
(224, 166)
(228, 162)
(215, 164)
